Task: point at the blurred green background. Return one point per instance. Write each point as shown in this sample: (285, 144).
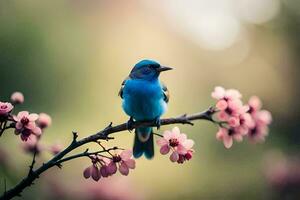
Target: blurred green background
(69, 58)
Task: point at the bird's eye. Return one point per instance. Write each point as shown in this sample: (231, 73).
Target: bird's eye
(146, 70)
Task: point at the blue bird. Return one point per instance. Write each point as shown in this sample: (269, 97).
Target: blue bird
(145, 98)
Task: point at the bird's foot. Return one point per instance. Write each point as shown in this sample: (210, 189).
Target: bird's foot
(129, 124)
(158, 123)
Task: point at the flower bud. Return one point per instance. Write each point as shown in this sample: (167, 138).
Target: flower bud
(17, 98)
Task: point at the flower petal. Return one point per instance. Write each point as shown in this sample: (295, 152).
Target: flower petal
(19, 125)
(221, 133)
(130, 163)
(188, 144)
(218, 93)
(112, 167)
(124, 169)
(37, 131)
(174, 156)
(167, 135)
(181, 149)
(15, 118)
(238, 137)
(222, 116)
(30, 126)
(22, 114)
(175, 132)
(182, 137)
(32, 117)
(255, 103)
(104, 171)
(95, 173)
(221, 104)
(234, 121)
(87, 172)
(164, 149)
(126, 154)
(162, 142)
(233, 94)
(227, 140)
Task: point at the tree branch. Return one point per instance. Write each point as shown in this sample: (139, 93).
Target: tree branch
(101, 135)
(84, 154)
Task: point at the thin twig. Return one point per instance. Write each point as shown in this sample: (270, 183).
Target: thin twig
(2, 128)
(159, 135)
(85, 154)
(33, 161)
(101, 135)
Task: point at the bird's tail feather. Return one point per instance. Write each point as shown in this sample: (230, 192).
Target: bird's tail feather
(143, 143)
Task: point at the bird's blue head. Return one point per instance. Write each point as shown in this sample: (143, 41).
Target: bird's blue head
(147, 70)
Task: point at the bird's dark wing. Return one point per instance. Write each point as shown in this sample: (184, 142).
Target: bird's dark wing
(122, 87)
(165, 93)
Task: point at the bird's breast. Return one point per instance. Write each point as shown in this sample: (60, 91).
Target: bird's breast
(143, 100)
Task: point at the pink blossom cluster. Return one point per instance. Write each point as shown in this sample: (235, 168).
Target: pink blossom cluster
(178, 144)
(28, 125)
(105, 167)
(241, 120)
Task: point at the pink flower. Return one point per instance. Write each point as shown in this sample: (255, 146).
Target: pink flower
(124, 161)
(246, 122)
(236, 130)
(92, 171)
(44, 120)
(185, 157)
(17, 98)
(108, 167)
(223, 134)
(232, 110)
(172, 140)
(261, 120)
(229, 105)
(263, 117)
(104, 168)
(25, 125)
(188, 145)
(175, 141)
(259, 131)
(5, 108)
(25, 120)
(228, 135)
(220, 93)
(254, 104)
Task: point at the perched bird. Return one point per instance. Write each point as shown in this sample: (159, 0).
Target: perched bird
(145, 98)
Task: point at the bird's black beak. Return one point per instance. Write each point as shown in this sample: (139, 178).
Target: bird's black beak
(163, 68)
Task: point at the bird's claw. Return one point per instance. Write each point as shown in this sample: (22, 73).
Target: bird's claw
(129, 124)
(158, 123)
